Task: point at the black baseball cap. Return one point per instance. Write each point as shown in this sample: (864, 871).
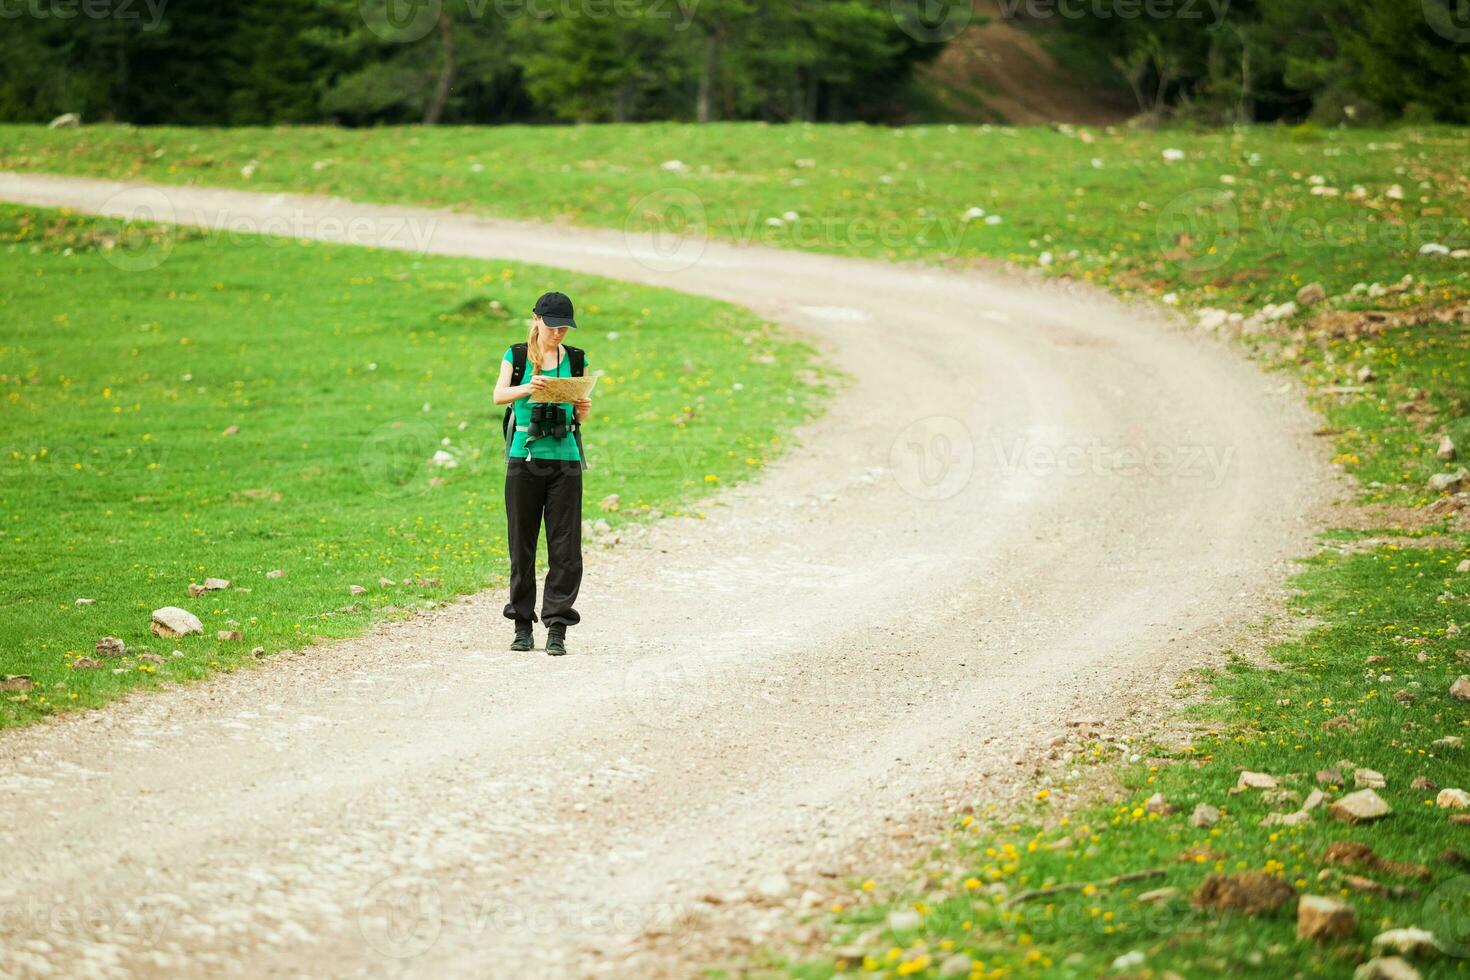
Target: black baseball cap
(555, 310)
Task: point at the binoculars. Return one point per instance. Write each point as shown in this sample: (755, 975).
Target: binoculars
(547, 419)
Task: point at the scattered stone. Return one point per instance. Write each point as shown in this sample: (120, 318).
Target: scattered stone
(356, 590)
(1449, 742)
(1255, 780)
(257, 652)
(1129, 960)
(904, 920)
(1314, 799)
(16, 682)
(1460, 819)
(1366, 374)
(1157, 804)
(215, 584)
(1448, 482)
(1452, 799)
(85, 663)
(110, 646)
(1339, 723)
(84, 602)
(429, 583)
(231, 430)
(1250, 892)
(171, 621)
(150, 658)
(275, 573)
(774, 886)
(957, 965)
(1156, 895)
(1403, 697)
(195, 590)
(1386, 968)
(1330, 777)
(1322, 917)
(1311, 294)
(1446, 450)
(1204, 815)
(1461, 688)
(385, 582)
(1368, 779)
(610, 502)
(229, 635)
(1423, 784)
(69, 120)
(1360, 807)
(1463, 567)
(1411, 941)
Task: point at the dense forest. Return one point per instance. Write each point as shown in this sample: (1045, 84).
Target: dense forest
(364, 62)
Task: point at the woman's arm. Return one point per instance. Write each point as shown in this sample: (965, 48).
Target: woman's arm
(505, 392)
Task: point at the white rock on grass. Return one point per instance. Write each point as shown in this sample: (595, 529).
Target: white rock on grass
(1324, 917)
(1446, 449)
(1130, 960)
(173, 621)
(1368, 779)
(1204, 815)
(1361, 807)
(1255, 780)
(904, 920)
(1210, 318)
(1451, 798)
(1311, 294)
(1410, 941)
(1172, 155)
(1386, 968)
(1433, 248)
(1448, 482)
(1461, 688)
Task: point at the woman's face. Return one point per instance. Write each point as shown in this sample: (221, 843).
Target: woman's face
(553, 334)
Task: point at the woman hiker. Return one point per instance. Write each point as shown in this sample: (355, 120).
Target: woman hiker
(543, 474)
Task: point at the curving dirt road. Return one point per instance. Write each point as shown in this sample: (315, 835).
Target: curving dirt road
(933, 582)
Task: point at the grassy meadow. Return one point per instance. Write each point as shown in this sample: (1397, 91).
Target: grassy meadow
(251, 404)
(1239, 217)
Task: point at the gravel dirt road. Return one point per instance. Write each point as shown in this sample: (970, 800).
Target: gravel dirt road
(957, 558)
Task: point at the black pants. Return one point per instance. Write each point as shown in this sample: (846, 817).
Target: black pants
(552, 487)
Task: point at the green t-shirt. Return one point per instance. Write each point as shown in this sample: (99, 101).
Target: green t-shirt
(546, 447)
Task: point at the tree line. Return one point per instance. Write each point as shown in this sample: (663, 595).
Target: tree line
(1221, 61)
(363, 62)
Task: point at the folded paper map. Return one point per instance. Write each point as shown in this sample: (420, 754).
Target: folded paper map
(565, 389)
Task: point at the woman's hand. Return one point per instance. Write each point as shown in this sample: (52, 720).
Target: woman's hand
(538, 382)
(583, 407)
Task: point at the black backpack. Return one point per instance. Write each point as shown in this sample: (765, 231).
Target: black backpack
(578, 360)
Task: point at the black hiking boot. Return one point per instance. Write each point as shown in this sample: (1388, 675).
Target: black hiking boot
(556, 639)
(524, 639)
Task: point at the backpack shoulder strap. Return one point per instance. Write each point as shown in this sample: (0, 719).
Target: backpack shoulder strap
(518, 363)
(578, 358)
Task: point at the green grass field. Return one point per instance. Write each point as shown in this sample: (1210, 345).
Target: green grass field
(253, 404)
(1233, 220)
(1242, 217)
